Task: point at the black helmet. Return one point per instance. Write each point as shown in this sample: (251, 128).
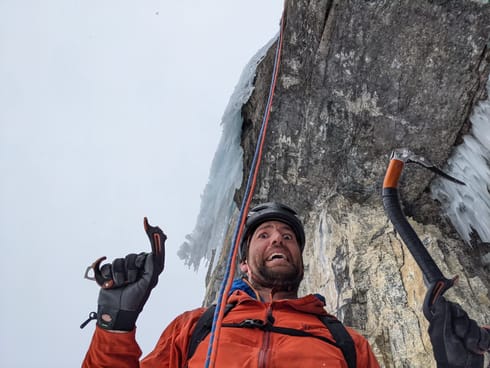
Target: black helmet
(271, 211)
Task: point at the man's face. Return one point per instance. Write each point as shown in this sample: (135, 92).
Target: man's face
(274, 259)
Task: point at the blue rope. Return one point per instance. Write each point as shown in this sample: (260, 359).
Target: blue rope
(243, 206)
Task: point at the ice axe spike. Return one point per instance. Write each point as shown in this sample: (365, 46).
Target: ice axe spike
(437, 283)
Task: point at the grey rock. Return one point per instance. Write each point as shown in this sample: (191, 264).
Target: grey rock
(357, 80)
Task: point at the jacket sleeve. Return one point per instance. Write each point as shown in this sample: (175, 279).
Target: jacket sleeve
(364, 353)
(110, 349)
(171, 348)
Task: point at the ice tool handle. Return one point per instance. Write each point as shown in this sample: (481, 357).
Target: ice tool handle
(157, 240)
(438, 284)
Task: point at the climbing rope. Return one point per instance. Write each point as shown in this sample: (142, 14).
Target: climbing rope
(247, 198)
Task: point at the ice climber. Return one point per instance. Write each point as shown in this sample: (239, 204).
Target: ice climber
(266, 324)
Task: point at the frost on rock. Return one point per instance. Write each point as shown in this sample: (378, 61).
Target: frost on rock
(225, 177)
(468, 206)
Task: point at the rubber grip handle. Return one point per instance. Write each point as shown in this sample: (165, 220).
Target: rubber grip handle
(436, 282)
(424, 260)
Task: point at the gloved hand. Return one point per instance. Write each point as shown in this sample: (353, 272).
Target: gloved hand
(127, 284)
(457, 340)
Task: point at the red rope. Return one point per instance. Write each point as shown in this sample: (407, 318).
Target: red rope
(229, 281)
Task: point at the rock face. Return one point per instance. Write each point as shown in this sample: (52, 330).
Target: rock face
(357, 80)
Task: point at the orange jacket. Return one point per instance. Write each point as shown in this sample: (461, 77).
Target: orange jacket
(238, 347)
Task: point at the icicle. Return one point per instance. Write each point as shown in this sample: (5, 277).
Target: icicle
(468, 207)
(225, 176)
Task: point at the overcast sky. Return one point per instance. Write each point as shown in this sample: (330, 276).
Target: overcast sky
(109, 112)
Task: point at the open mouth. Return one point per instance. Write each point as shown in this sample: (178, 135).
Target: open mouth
(275, 256)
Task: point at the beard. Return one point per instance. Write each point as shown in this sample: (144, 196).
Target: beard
(278, 280)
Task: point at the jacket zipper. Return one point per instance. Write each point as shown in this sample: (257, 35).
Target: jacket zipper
(264, 351)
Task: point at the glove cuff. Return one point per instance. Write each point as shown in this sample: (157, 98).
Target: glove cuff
(115, 319)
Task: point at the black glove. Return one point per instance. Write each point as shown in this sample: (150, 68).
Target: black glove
(127, 283)
(457, 340)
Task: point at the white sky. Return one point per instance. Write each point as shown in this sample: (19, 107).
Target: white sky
(109, 112)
